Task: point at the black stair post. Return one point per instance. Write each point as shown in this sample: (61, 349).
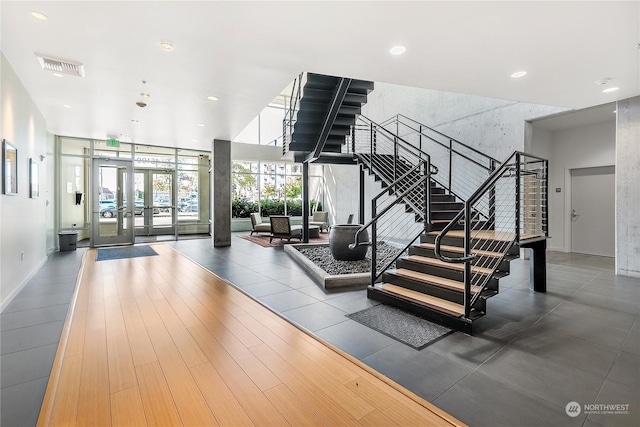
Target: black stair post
(538, 266)
(305, 202)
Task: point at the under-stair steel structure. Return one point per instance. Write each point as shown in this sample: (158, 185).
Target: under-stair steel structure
(448, 219)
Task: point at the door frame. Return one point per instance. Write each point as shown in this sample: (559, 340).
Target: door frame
(148, 229)
(567, 199)
(128, 237)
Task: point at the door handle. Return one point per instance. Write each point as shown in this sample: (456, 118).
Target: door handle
(574, 215)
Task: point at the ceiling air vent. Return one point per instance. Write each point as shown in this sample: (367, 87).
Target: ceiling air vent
(62, 66)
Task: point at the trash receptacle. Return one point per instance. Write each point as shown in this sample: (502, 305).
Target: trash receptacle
(68, 240)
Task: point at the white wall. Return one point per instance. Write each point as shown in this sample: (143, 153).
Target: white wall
(628, 187)
(581, 147)
(24, 221)
(494, 126)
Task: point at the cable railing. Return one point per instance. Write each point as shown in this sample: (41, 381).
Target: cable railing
(462, 168)
(516, 194)
(391, 229)
(390, 157)
(291, 111)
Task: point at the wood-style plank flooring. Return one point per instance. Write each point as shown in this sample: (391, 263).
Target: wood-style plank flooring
(161, 341)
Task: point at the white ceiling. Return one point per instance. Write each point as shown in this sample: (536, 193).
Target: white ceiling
(247, 52)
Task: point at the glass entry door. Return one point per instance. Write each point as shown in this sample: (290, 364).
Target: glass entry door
(155, 211)
(111, 214)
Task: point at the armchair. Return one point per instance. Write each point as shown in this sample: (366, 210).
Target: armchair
(281, 227)
(257, 226)
(320, 218)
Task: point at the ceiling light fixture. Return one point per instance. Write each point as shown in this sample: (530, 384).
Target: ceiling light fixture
(58, 75)
(201, 125)
(212, 98)
(141, 104)
(518, 74)
(67, 106)
(166, 45)
(610, 89)
(39, 15)
(145, 95)
(398, 50)
(134, 121)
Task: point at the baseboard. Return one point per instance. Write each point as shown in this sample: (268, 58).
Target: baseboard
(16, 291)
(629, 273)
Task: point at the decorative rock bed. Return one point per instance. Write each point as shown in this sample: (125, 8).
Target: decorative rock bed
(317, 260)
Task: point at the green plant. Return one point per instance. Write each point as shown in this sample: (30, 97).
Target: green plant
(242, 207)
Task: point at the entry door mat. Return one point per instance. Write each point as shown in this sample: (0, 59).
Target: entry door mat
(401, 326)
(107, 254)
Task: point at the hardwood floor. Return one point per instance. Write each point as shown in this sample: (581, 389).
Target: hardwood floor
(159, 340)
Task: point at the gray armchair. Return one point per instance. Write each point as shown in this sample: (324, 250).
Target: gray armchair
(321, 219)
(257, 226)
(281, 227)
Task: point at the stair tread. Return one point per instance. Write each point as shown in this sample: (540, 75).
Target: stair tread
(450, 265)
(459, 250)
(455, 285)
(433, 302)
(487, 235)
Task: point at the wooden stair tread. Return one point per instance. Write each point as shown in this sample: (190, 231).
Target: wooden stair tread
(433, 280)
(450, 265)
(430, 301)
(502, 236)
(459, 250)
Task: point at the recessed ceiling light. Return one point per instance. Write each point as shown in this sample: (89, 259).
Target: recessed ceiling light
(39, 15)
(166, 45)
(212, 98)
(58, 75)
(134, 121)
(67, 106)
(518, 74)
(145, 95)
(194, 140)
(611, 89)
(398, 50)
(201, 125)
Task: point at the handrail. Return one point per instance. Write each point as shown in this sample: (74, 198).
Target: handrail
(522, 207)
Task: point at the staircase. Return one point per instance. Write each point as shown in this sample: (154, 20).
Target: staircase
(447, 272)
(323, 109)
(471, 214)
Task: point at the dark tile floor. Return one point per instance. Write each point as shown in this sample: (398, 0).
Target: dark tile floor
(529, 357)
(30, 331)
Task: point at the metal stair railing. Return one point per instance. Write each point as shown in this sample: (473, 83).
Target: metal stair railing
(291, 112)
(520, 202)
(462, 168)
(392, 230)
(389, 157)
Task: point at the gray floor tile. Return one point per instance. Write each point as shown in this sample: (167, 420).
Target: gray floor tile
(355, 339)
(482, 401)
(31, 337)
(558, 383)
(21, 403)
(585, 328)
(316, 316)
(38, 302)
(625, 369)
(563, 349)
(603, 316)
(287, 300)
(261, 289)
(469, 350)
(297, 281)
(636, 325)
(243, 279)
(21, 319)
(319, 293)
(27, 365)
(424, 372)
(36, 291)
(632, 343)
(618, 393)
(352, 302)
(607, 303)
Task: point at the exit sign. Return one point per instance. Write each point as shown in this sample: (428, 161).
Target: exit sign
(113, 143)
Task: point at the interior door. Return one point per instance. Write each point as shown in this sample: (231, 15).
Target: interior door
(156, 213)
(111, 214)
(593, 211)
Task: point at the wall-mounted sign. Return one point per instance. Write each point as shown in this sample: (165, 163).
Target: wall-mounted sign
(113, 142)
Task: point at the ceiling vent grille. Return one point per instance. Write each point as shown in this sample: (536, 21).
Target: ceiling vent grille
(62, 66)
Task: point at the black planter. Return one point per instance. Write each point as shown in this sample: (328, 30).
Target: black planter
(341, 236)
